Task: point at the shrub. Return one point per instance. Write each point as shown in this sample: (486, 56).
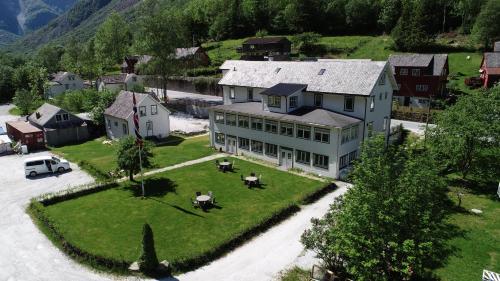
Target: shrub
(148, 262)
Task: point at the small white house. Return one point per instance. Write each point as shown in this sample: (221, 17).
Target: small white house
(118, 82)
(154, 118)
(63, 81)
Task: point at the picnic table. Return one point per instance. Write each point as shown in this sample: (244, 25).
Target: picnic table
(251, 179)
(203, 198)
(225, 166)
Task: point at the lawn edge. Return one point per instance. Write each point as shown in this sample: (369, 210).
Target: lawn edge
(120, 267)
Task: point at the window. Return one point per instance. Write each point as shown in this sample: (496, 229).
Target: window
(243, 121)
(142, 110)
(256, 146)
(382, 79)
(271, 126)
(219, 117)
(231, 93)
(422, 87)
(116, 124)
(380, 96)
(220, 138)
(256, 124)
(66, 86)
(415, 72)
(322, 135)
(274, 101)
(318, 99)
(303, 157)
(403, 71)
(250, 94)
(286, 129)
(370, 128)
(124, 129)
(58, 118)
(372, 103)
(134, 79)
(352, 156)
(154, 109)
(244, 143)
(320, 161)
(354, 132)
(385, 122)
(65, 116)
(349, 134)
(303, 132)
(385, 95)
(321, 71)
(344, 161)
(271, 150)
(348, 103)
(231, 119)
(108, 123)
(277, 70)
(293, 102)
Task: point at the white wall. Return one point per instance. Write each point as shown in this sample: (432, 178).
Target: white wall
(241, 94)
(114, 129)
(66, 85)
(161, 121)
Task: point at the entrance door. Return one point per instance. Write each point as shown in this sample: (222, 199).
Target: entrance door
(286, 160)
(406, 101)
(149, 128)
(231, 145)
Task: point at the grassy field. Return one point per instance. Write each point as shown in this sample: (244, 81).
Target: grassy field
(109, 223)
(15, 111)
(103, 156)
(478, 247)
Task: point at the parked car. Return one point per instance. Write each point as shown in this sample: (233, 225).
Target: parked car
(44, 164)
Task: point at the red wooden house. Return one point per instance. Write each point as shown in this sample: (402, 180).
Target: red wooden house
(26, 133)
(490, 69)
(419, 77)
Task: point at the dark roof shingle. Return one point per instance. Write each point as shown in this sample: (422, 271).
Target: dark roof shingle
(123, 105)
(492, 59)
(284, 89)
(266, 40)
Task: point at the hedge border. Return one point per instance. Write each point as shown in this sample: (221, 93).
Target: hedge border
(37, 205)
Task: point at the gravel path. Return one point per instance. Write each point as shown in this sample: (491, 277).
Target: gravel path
(5, 116)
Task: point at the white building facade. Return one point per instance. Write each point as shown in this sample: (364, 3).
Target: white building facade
(311, 116)
(154, 118)
(63, 81)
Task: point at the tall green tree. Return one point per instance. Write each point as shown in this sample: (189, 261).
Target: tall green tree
(112, 40)
(467, 135)
(160, 34)
(71, 59)
(49, 56)
(389, 14)
(390, 224)
(7, 86)
(104, 100)
(410, 34)
(27, 100)
(487, 26)
(128, 156)
(148, 262)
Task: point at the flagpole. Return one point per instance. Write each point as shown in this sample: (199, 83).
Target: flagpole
(138, 141)
(140, 165)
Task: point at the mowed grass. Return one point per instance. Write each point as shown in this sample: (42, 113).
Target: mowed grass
(479, 246)
(15, 111)
(103, 156)
(109, 223)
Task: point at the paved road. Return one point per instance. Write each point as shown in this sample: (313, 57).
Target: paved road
(415, 127)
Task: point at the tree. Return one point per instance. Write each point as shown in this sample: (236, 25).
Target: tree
(70, 60)
(159, 36)
(389, 14)
(305, 42)
(112, 40)
(390, 224)
(105, 99)
(26, 100)
(148, 262)
(410, 34)
(487, 26)
(7, 87)
(128, 155)
(49, 56)
(360, 15)
(467, 133)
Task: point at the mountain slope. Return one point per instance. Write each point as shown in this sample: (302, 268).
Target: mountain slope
(80, 22)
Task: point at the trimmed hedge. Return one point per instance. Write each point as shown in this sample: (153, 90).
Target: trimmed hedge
(37, 205)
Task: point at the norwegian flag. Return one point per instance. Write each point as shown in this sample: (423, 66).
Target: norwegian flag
(138, 137)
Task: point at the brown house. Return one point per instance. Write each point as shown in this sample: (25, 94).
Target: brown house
(420, 77)
(131, 63)
(490, 68)
(26, 134)
(193, 56)
(266, 48)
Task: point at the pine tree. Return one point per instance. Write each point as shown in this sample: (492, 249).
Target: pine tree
(148, 262)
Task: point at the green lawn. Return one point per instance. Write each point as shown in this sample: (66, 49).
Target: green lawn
(109, 223)
(102, 157)
(479, 246)
(15, 111)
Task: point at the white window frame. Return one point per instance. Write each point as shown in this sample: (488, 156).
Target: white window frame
(260, 121)
(220, 138)
(274, 101)
(322, 132)
(219, 117)
(303, 157)
(232, 93)
(142, 111)
(255, 145)
(271, 150)
(231, 119)
(244, 143)
(346, 99)
(65, 116)
(293, 102)
(321, 161)
(243, 121)
(155, 111)
(301, 132)
(285, 129)
(415, 72)
(372, 103)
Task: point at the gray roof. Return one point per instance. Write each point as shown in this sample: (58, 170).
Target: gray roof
(340, 76)
(492, 59)
(496, 47)
(123, 105)
(284, 89)
(43, 114)
(114, 79)
(439, 63)
(305, 115)
(420, 60)
(185, 52)
(57, 77)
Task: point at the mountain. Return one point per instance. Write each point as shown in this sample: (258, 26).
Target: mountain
(80, 21)
(18, 17)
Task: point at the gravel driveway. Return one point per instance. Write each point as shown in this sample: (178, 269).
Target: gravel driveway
(5, 116)
(25, 253)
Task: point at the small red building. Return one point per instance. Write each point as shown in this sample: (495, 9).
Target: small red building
(26, 133)
(490, 69)
(419, 77)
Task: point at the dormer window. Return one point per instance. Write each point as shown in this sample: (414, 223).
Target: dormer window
(65, 116)
(321, 71)
(277, 70)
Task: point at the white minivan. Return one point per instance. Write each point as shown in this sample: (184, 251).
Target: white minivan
(44, 164)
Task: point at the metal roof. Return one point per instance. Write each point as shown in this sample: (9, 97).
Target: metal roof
(492, 59)
(185, 52)
(356, 77)
(305, 115)
(496, 47)
(123, 105)
(284, 89)
(23, 127)
(416, 60)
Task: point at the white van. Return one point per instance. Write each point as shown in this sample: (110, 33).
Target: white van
(44, 164)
